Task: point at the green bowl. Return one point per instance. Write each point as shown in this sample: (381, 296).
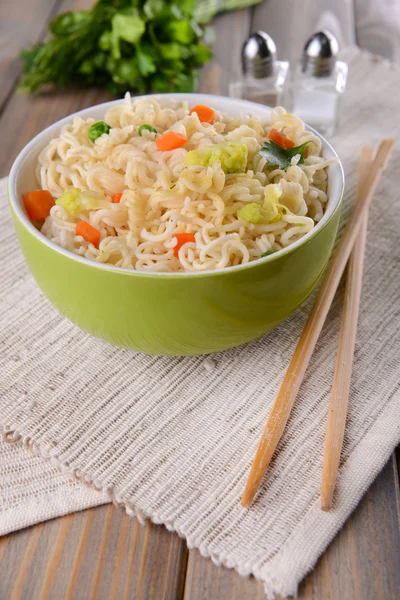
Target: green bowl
(178, 313)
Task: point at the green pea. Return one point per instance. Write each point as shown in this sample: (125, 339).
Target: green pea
(267, 253)
(97, 129)
(147, 128)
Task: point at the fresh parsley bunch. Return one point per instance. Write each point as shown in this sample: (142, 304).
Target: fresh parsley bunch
(152, 45)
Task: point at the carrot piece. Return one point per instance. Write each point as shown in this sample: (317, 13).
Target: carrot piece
(170, 141)
(182, 238)
(38, 204)
(88, 232)
(116, 198)
(205, 113)
(280, 139)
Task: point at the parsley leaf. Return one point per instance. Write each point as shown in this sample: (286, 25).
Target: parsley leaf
(66, 23)
(180, 31)
(129, 28)
(277, 156)
(145, 60)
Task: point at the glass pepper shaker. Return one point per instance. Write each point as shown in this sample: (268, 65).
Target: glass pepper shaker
(318, 82)
(263, 77)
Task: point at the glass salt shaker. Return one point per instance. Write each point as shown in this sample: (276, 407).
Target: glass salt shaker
(263, 77)
(318, 82)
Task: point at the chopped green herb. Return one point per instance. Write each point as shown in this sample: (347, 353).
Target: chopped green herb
(140, 45)
(172, 186)
(277, 156)
(267, 252)
(146, 127)
(97, 129)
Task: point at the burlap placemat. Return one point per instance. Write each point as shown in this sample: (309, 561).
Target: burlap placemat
(173, 438)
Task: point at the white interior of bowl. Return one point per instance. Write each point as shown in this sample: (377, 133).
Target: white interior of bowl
(22, 175)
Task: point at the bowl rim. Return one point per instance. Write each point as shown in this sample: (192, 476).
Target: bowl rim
(17, 209)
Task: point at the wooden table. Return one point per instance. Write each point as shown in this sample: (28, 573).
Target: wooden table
(102, 553)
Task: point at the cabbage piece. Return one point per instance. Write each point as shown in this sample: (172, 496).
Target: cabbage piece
(75, 201)
(251, 213)
(232, 155)
(270, 212)
(272, 209)
(292, 196)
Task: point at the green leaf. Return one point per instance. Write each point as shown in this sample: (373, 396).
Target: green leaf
(99, 60)
(152, 8)
(202, 54)
(171, 51)
(29, 57)
(160, 85)
(124, 71)
(267, 253)
(185, 83)
(170, 72)
(129, 28)
(118, 4)
(105, 41)
(69, 22)
(277, 156)
(145, 61)
(180, 31)
(161, 12)
(187, 6)
(87, 67)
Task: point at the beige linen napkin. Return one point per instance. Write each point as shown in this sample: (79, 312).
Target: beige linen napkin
(173, 438)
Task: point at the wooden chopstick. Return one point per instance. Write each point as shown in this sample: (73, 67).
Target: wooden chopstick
(294, 375)
(347, 339)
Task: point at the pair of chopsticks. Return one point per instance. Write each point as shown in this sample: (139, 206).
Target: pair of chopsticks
(352, 242)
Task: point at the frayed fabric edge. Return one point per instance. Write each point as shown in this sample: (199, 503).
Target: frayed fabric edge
(379, 437)
(272, 588)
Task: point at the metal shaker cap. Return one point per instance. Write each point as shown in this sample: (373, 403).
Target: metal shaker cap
(258, 55)
(319, 54)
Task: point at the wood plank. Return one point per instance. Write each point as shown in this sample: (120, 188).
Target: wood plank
(290, 23)
(361, 563)
(398, 473)
(100, 553)
(21, 24)
(363, 560)
(206, 581)
(24, 116)
(25, 564)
